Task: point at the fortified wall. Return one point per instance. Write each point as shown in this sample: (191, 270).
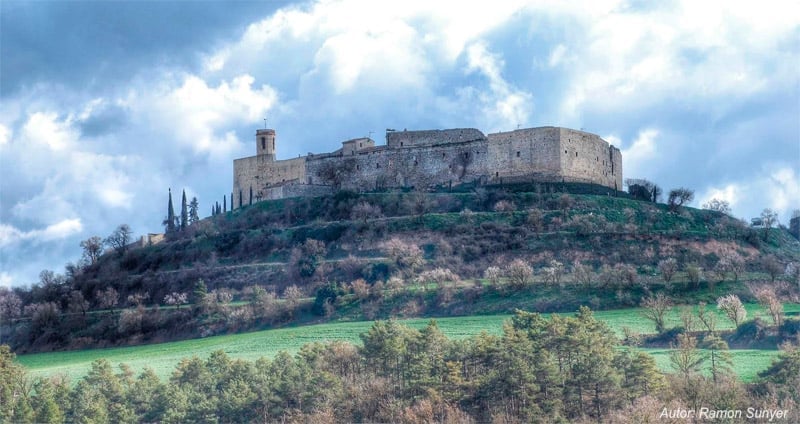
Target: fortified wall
(426, 159)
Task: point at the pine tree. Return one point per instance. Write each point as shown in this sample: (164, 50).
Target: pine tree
(194, 207)
(169, 223)
(184, 212)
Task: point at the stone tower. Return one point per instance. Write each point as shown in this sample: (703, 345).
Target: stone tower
(265, 144)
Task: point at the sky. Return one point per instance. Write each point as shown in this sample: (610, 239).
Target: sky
(104, 106)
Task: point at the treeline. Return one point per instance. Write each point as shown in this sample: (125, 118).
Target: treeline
(562, 369)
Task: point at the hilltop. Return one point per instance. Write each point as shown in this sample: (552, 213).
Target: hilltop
(545, 247)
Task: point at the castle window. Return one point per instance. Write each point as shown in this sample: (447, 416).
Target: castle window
(377, 165)
(576, 154)
(415, 163)
(517, 154)
(401, 144)
(442, 155)
(358, 167)
(263, 143)
(496, 174)
(565, 152)
(360, 145)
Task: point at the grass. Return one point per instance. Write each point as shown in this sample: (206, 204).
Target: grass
(747, 363)
(163, 357)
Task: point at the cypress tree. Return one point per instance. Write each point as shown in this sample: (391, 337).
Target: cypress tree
(184, 212)
(224, 203)
(170, 222)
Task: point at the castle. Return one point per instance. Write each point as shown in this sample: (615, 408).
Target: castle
(427, 159)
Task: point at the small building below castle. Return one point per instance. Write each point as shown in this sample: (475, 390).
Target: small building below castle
(426, 160)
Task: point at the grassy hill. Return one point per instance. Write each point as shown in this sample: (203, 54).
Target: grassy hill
(249, 258)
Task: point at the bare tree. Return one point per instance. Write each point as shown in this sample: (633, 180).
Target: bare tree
(120, 239)
(772, 267)
(655, 309)
(733, 309)
(769, 219)
(107, 299)
(769, 300)
(668, 267)
(582, 273)
(708, 318)
(92, 249)
(76, 303)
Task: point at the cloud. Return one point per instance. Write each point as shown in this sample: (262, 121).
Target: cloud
(62, 229)
(640, 156)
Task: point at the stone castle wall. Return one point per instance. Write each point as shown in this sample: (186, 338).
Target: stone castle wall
(424, 159)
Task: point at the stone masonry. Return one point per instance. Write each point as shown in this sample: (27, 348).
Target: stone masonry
(428, 159)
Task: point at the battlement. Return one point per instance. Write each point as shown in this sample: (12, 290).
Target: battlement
(430, 158)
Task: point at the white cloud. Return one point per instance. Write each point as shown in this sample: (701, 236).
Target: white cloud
(774, 187)
(504, 105)
(60, 230)
(5, 135)
(5, 279)
(200, 116)
(639, 157)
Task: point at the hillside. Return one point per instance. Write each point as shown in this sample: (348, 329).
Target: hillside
(542, 247)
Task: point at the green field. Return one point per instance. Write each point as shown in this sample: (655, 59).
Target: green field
(163, 357)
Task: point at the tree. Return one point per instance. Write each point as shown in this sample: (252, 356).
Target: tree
(107, 299)
(694, 273)
(720, 361)
(721, 206)
(194, 208)
(769, 300)
(769, 218)
(582, 273)
(519, 273)
(643, 189)
(706, 317)
(554, 272)
(733, 309)
(655, 309)
(184, 212)
(10, 305)
(685, 357)
(92, 249)
(120, 239)
(772, 266)
(667, 267)
(225, 203)
(679, 197)
(169, 223)
(77, 303)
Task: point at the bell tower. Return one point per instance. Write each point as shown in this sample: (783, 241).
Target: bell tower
(265, 143)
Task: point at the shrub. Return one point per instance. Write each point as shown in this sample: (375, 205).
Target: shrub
(519, 273)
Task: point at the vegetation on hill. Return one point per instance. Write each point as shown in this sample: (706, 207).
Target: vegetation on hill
(540, 247)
